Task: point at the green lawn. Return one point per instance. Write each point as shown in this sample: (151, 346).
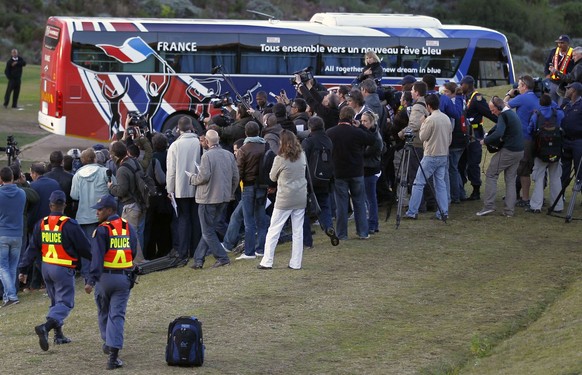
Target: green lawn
(428, 298)
(487, 295)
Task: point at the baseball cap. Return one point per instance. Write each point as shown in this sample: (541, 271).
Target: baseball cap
(408, 79)
(58, 197)
(467, 79)
(563, 38)
(576, 86)
(105, 201)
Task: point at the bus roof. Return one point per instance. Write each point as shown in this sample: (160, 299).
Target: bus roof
(376, 20)
(329, 24)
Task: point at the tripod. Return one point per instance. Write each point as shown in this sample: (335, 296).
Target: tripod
(403, 172)
(575, 191)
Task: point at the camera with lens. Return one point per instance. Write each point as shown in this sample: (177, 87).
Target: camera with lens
(513, 92)
(304, 76)
(131, 131)
(11, 148)
(137, 119)
(221, 101)
(408, 136)
(170, 136)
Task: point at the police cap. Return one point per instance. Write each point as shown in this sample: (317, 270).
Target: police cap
(57, 197)
(468, 80)
(105, 201)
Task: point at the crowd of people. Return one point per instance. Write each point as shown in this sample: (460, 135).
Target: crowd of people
(233, 186)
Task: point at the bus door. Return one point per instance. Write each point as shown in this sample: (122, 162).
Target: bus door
(51, 104)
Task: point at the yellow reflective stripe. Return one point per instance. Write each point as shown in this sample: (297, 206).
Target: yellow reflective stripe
(119, 261)
(52, 257)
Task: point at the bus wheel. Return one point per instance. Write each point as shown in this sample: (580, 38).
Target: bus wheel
(172, 124)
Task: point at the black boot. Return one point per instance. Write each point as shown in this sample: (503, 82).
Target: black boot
(475, 195)
(43, 330)
(114, 362)
(105, 349)
(60, 338)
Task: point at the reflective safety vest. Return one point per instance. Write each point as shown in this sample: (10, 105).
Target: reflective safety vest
(53, 252)
(563, 65)
(118, 254)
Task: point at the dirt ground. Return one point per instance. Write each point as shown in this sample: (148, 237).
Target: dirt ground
(24, 121)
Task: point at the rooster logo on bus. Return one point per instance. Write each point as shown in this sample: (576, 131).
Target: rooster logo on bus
(132, 51)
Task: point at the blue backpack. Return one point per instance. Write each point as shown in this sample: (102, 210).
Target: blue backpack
(185, 345)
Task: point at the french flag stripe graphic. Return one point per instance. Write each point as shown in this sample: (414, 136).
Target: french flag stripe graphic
(133, 50)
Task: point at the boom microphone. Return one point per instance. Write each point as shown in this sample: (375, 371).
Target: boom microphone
(216, 69)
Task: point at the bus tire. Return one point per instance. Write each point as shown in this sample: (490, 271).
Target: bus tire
(172, 123)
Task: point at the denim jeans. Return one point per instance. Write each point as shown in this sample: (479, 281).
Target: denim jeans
(372, 202)
(344, 187)
(253, 200)
(432, 166)
(210, 215)
(456, 184)
(188, 227)
(9, 257)
(232, 235)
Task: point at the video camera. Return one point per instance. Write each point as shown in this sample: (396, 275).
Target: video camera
(539, 88)
(137, 119)
(408, 136)
(11, 148)
(304, 74)
(221, 101)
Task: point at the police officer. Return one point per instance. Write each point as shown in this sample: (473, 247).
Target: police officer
(558, 62)
(476, 109)
(114, 246)
(60, 241)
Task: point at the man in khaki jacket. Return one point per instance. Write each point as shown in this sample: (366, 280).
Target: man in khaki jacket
(436, 134)
(216, 182)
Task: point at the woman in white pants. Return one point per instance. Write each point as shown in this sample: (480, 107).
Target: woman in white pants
(289, 172)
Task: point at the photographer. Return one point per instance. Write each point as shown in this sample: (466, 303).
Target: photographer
(135, 133)
(230, 133)
(326, 107)
(436, 134)
(525, 103)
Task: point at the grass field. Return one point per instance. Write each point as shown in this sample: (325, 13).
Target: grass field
(489, 295)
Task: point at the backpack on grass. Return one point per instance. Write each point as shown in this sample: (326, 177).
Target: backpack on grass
(146, 187)
(548, 138)
(185, 345)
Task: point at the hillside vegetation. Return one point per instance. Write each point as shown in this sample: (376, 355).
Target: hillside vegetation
(530, 25)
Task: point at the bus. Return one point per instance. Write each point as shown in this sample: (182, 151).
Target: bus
(96, 70)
